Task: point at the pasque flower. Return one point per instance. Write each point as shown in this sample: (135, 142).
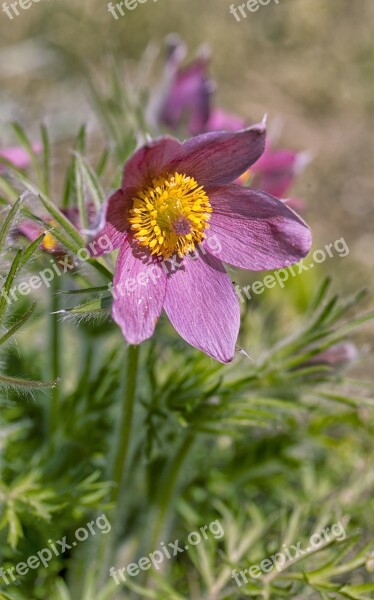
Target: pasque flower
(185, 92)
(176, 219)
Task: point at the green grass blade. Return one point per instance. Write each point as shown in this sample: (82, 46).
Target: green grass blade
(22, 320)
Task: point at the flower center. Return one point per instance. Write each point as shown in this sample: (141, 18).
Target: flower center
(170, 216)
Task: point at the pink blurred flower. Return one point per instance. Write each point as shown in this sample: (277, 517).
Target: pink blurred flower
(176, 218)
(220, 120)
(275, 171)
(336, 356)
(185, 92)
(32, 229)
(18, 156)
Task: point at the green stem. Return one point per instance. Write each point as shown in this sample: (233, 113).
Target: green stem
(126, 422)
(106, 548)
(168, 488)
(55, 370)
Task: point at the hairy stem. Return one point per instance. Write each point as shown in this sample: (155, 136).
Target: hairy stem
(55, 363)
(168, 489)
(126, 422)
(107, 549)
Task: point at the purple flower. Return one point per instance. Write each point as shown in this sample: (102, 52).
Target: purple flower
(17, 156)
(336, 356)
(31, 229)
(185, 92)
(276, 170)
(177, 217)
(220, 120)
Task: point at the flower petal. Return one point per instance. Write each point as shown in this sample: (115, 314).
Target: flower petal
(111, 231)
(252, 230)
(335, 356)
(296, 204)
(139, 287)
(189, 95)
(277, 160)
(220, 120)
(202, 306)
(150, 161)
(30, 229)
(275, 171)
(220, 157)
(18, 156)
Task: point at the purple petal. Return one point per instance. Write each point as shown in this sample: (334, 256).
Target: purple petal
(275, 184)
(18, 156)
(296, 204)
(276, 160)
(189, 95)
(176, 50)
(30, 229)
(276, 170)
(139, 291)
(175, 53)
(72, 213)
(252, 230)
(185, 93)
(111, 231)
(220, 120)
(202, 306)
(150, 161)
(336, 356)
(221, 157)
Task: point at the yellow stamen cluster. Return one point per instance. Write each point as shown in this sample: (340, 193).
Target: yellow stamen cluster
(50, 243)
(170, 216)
